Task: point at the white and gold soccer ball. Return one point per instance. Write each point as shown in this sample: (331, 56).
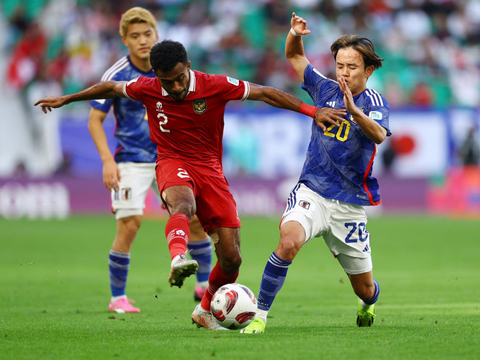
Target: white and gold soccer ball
(234, 306)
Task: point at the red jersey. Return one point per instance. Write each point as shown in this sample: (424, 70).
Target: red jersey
(190, 129)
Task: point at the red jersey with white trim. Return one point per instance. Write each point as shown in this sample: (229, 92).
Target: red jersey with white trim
(190, 129)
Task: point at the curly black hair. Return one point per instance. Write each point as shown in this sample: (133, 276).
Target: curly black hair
(165, 55)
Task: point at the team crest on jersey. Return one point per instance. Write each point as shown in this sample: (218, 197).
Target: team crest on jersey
(304, 204)
(126, 193)
(233, 81)
(200, 106)
(352, 119)
(159, 105)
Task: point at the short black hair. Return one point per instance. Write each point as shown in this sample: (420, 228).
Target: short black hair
(165, 55)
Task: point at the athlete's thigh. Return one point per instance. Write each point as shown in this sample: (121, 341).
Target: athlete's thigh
(135, 180)
(172, 172)
(196, 228)
(305, 207)
(215, 204)
(348, 233)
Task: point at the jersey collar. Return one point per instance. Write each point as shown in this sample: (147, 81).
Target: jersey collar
(191, 88)
(148, 73)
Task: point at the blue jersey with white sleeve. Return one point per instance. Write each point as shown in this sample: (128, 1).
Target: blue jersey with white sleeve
(131, 125)
(340, 160)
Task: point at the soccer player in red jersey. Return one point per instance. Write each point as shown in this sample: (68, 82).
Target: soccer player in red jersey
(130, 171)
(186, 118)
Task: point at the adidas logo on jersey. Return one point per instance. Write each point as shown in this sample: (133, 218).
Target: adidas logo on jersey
(331, 103)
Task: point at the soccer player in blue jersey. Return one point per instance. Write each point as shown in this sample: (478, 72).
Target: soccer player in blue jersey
(130, 172)
(336, 182)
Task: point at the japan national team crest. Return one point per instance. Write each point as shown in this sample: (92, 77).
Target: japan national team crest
(200, 106)
(304, 204)
(352, 119)
(126, 193)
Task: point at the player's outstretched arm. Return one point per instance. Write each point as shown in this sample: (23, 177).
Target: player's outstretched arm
(103, 90)
(282, 100)
(294, 45)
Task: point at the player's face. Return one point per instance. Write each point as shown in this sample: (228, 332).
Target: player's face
(140, 39)
(176, 81)
(351, 67)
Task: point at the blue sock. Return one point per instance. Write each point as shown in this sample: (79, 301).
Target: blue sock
(272, 281)
(201, 251)
(118, 264)
(374, 299)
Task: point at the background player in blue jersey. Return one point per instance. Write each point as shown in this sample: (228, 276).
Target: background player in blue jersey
(130, 172)
(336, 181)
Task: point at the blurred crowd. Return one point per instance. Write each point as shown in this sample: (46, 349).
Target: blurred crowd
(431, 47)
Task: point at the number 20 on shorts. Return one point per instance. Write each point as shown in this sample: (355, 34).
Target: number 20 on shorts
(356, 229)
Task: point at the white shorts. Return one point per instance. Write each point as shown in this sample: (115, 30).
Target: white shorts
(135, 180)
(342, 225)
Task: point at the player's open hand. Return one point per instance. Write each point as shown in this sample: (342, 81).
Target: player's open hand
(111, 175)
(51, 102)
(299, 25)
(328, 116)
(347, 95)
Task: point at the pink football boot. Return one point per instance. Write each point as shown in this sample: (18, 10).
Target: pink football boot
(122, 306)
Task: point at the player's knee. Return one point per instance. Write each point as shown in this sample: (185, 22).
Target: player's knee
(231, 264)
(288, 248)
(186, 208)
(134, 226)
(128, 227)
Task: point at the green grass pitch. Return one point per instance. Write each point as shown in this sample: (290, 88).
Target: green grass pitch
(54, 293)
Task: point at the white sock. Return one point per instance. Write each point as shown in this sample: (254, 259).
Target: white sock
(174, 260)
(262, 315)
(364, 306)
(202, 284)
(116, 298)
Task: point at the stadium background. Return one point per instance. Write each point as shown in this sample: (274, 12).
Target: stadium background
(49, 167)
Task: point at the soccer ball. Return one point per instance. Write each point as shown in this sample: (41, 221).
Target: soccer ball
(234, 306)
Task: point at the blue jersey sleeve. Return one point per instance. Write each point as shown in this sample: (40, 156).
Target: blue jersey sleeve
(105, 104)
(102, 104)
(316, 84)
(378, 109)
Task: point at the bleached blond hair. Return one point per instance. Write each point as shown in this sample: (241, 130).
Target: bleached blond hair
(136, 15)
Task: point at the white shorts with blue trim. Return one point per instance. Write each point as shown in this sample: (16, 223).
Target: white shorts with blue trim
(342, 225)
(135, 180)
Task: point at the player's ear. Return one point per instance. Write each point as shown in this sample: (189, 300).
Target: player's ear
(369, 71)
(124, 41)
(189, 65)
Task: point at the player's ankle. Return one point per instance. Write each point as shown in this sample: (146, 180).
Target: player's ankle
(262, 315)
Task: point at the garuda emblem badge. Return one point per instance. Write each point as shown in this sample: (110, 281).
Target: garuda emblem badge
(200, 106)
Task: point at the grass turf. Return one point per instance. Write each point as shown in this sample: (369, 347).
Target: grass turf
(54, 295)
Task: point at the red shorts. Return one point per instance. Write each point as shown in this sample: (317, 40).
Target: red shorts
(215, 204)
